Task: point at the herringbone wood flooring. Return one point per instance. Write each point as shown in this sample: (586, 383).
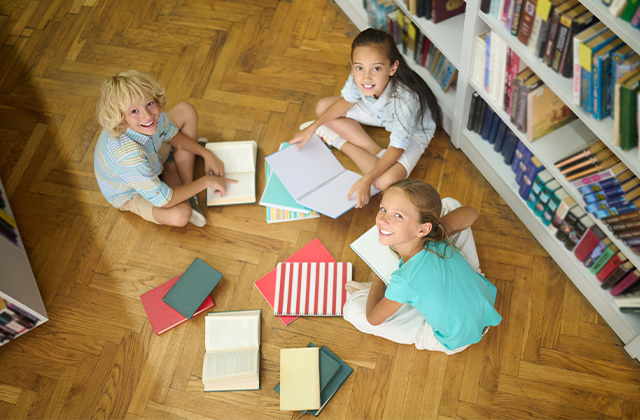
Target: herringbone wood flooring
(254, 69)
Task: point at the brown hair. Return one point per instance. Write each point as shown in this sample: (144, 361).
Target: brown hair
(119, 92)
(426, 200)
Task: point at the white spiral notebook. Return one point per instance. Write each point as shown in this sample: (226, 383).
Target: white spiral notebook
(311, 289)
(378, 257)
(315, 178)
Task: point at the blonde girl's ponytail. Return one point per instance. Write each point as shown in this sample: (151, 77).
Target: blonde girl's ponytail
(426, 200)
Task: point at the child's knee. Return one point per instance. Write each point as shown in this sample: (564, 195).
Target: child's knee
(322, 105)
(180, 215)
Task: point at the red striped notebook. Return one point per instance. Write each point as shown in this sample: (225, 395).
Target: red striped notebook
(311, 289)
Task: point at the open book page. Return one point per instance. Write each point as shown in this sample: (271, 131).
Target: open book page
(231, 332)
(314, 170)
(226, 364)
(238, 156)
(245, 188)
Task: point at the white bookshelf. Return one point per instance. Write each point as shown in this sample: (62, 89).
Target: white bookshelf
(17, 283)
(455, 38)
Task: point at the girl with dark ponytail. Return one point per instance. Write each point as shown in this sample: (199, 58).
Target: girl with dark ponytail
(438, 299)
(382, 90)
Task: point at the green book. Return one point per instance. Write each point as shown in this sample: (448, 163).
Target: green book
(334, 378)
(628, 109)
(192, 288)
(629, 10)
(276, 195)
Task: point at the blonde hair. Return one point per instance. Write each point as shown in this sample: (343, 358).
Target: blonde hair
(119, 92)
(426, 200)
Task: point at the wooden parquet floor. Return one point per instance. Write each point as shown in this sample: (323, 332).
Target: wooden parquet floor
(255, 70)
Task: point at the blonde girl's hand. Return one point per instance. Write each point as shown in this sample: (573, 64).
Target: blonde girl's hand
(302, 137)
(362, 190)
(219, 184)
(213, 165)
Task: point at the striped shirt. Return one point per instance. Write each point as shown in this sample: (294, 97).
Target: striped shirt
(130, 164)
(396, 114)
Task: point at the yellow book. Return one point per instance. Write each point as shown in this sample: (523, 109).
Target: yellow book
(546, 113)
(299, 379)
(5, 216)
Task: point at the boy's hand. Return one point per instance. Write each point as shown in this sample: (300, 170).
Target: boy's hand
(362, 189)
(213, 165)
(219, 184)
(302, 137)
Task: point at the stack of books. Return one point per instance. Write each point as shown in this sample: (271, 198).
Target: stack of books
(532, 106)
(418, 47)
(435, 10)
(182, 297)
(484, 121)
(310, 392)
(14, 321)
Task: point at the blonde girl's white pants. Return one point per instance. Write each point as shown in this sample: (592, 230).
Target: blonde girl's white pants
(407, 326)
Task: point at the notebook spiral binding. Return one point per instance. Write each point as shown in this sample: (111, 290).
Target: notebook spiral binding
(327, 182)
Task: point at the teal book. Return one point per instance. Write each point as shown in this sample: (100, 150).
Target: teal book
(586, 53)
(192, 288)
(276, 195)
(328, 389)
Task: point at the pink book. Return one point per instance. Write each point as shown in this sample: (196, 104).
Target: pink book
(314, 251)
(162, 316)
(311, 289)
(626, 282)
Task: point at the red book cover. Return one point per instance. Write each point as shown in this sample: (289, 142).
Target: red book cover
(589, 241)
(425, 51)
(628, 281)
(445, 9)
(162, 316)
(314, 251)
(608, 268)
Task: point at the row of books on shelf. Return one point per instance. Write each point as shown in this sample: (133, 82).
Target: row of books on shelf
(7, 223)
(563, 217)
(570, 39)
(434, 10)
(532, 106)
(14, 321)
(418, 47)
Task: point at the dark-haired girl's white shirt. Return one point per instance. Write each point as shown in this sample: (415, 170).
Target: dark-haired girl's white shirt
(454, 300)
(395, 112)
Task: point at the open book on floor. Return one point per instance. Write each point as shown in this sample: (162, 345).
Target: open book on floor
(378, 257)
(232, 357)
(315, 178)
(239, 159)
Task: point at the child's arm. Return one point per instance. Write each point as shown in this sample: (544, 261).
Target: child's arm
(185, 192)
(212, 165)
(379, 308)
(338, 109)
(459, 219)
(362, 188)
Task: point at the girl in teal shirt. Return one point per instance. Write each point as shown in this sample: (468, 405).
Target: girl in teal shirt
(437, 299)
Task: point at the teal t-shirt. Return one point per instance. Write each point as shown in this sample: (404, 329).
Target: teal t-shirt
(455, 301)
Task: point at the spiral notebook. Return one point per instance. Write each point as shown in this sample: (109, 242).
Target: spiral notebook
(378, 257)
(315, 178)
(311, 289)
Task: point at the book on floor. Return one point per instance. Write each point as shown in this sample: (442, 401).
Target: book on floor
(330, 381)
(239, 159)
(300, 379)
(315, 178)
(192, 288)
(162, 316)
(382, 261)
(314, 251)
(232, 356)
(311, 289)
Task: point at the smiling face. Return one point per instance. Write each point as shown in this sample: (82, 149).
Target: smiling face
(142, 117)
(398, 223)
(371, 70)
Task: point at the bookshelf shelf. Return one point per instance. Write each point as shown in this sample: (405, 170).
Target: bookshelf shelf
(446, 35)
(629, 34)
(17, 283)
(456, 40)
(481, 153)
(562, 142)
(563, 87)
